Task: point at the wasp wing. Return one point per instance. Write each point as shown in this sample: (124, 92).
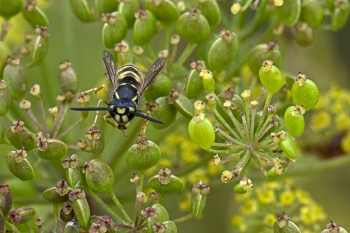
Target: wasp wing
(110, 67)
(152, 73)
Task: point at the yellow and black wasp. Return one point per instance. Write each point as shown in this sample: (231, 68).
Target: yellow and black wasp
(128, 84)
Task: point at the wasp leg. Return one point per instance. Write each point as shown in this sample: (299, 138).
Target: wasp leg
(112, 123)
(96, 89)
(98, 112)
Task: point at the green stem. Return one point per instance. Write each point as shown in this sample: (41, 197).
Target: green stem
(139, 188)
(30, 230)
(119, 206)
(43, 116)
(55, 217)
(70, 129)
(161, 197)
(221, 151)
(150, 51)
(185, 54)
(12, 227)
(182, 219)
(104, 205)
(262, 119)
(61, 115)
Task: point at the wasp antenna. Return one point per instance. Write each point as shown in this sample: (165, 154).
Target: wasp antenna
(148, 118)
(88, 109)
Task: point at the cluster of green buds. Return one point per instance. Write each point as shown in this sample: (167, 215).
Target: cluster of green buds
(250, 134)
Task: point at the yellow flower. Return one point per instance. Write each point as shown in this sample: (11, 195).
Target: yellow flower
(269, 219)
(249, 207)
(323, 102)
(342, 120)
(337, 107)
(320, 121)
(303, 197)
(198, 174)
(307, 215)
(345, 143)
(242, 197)
(287, 198)
(236, 220)
(266, 197)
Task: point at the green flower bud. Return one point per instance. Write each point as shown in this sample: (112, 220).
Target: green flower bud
(223, 51)
(194, 86)
(162, 110)
(114, 29)
(164, 10)
(67, 78)
(294, 120)
(312, 13)
(144, 28)
(51, 149)
(276, 170)
(97, 140)
(334, 227)
(160, 86)
(80, 207)
(193, 26)
(99, 176)
(67, 212)
(289, 12)
(198, 198)
(161, 213)
(284, 225)
(15, 76)
(40, 44)
(259, 53)
(20, 136)
(19, 166)
(74, 174)
(9, 8)
(128, 9)
(21, 215)
(244, 185)
(270, 77)
(83, 10)
(303, 34)
(305, 92)
(35, 15)
(2, 223)
(208, 80)
(5, 199)
(143, 155)
(106, 6)
(5, 100)
(181, 103)
(340, 14)
(57, 194)
(201, 131)
(4, 53)
(165, 183)
(287, 145)
(211, 11)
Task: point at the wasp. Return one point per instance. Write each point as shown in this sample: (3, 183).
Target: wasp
(128, 83)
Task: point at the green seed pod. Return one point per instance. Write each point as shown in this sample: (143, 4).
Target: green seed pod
(40, 44)
(99, 176)
(143, 155)
(165, 11)
(303, 34)
(174, 186)
(198, 198)
(106, 6)
(162, 214)
(201, 131)
(83, 10)
(128, 9)
(67, 212)
(270, 77)
(208, 81)
(114, 29)
(9, 8)
(35, 15)
(19, 165)
(211, 11)
(161, 86)
(194, 86)
(223, 51)
(80, 207)
(51, 149)
(20, 136)
(289, 12)
(67, 78)
(4, 53)
(287, 145)
(305, 93)
(52, 195)
(162, 110)
(193, 26)
(170, 227)
(74, 173)
(5, 100)
(144, 28)
(15, 76)
(334, 227)
(259, 53)
(340, 14)
(288, 227)
(5, 199)
(294, 120)
(312, 13)
(97, 141)
(2, 223)
(21, 215)
(181, 103)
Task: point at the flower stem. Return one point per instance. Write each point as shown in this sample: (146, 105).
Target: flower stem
(12, 227)
(262, 119)
(55, 217)
(70, 129)
(182, 219)
(119, 206)
(30, 230)
(185, 54)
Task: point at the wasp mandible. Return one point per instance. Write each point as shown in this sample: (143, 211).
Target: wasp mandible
(128, 84)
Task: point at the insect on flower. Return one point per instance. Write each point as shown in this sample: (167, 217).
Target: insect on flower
(128, 84)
